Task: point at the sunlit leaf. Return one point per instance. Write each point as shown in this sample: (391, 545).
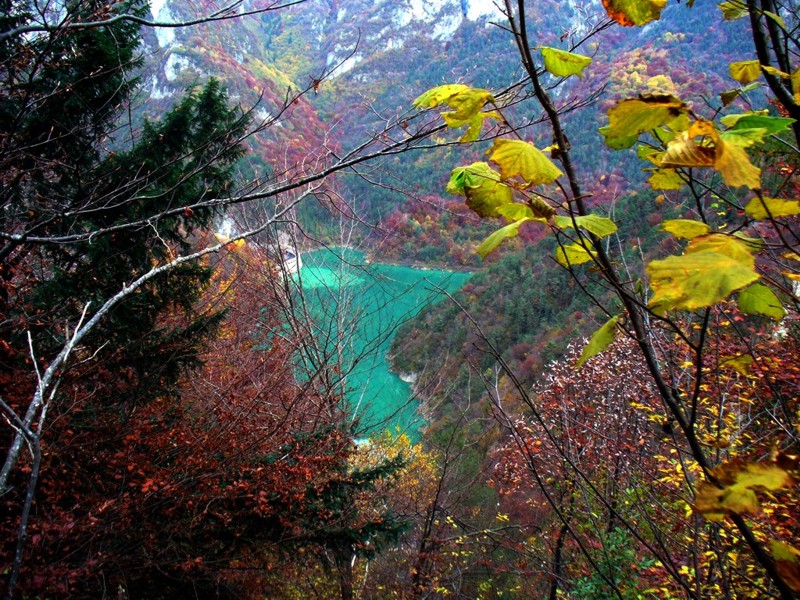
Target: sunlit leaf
(573, 254)
(665, 179)
(712, 267)
(475, 122)
(764, 208)
(758, 299)
(491, 243)
(596, 224)
(482, 187)
(775, 72)
(439, 95)
(685, 228)
(600, 340)
(745, 71)
(628, 118)
(634, 12)
(562, 63)
(518, 158)
(739, 482)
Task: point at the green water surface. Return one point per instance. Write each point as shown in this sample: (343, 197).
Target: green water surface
(356, 307)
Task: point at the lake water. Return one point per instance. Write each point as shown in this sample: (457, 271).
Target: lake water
(356, 308)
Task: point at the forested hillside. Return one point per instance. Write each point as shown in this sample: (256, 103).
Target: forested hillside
(610, 404)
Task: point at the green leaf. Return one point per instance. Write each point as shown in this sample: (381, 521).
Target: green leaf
(511, 230)
(762, 208)
(744, 138)
(475, 122)
(685, 228)
(733, 10)
(601, 339)
(665, 179)
(482, 187)
(540, 207)
(634, 12)
(712, 267)
(518, 158)
(758, 299)
(729, 96)
(596, 224)
(773, 125)
(745, 71)
(617, 143)
(562, 63)
(573, 254)
(516, 212)
(633, 116)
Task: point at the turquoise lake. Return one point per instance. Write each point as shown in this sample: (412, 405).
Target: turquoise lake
(356, 307)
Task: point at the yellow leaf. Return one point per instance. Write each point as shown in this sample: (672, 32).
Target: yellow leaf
(764, 208)
(596, 224)
(634, 12)
(735, 246)
(601, 339)
(745, 71)
(475, 122)
(738, 482)
(515, 212)
(711, 150)
(562, 63)
(439, 95)
(573, 254)
(740, 364)
(775, 72)
(713, 267)
(685, 228)
(518, 158)
(665, 179)
(481, 186)
(628, 118)
(733, 10)
(787, 563)
(796, 86)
